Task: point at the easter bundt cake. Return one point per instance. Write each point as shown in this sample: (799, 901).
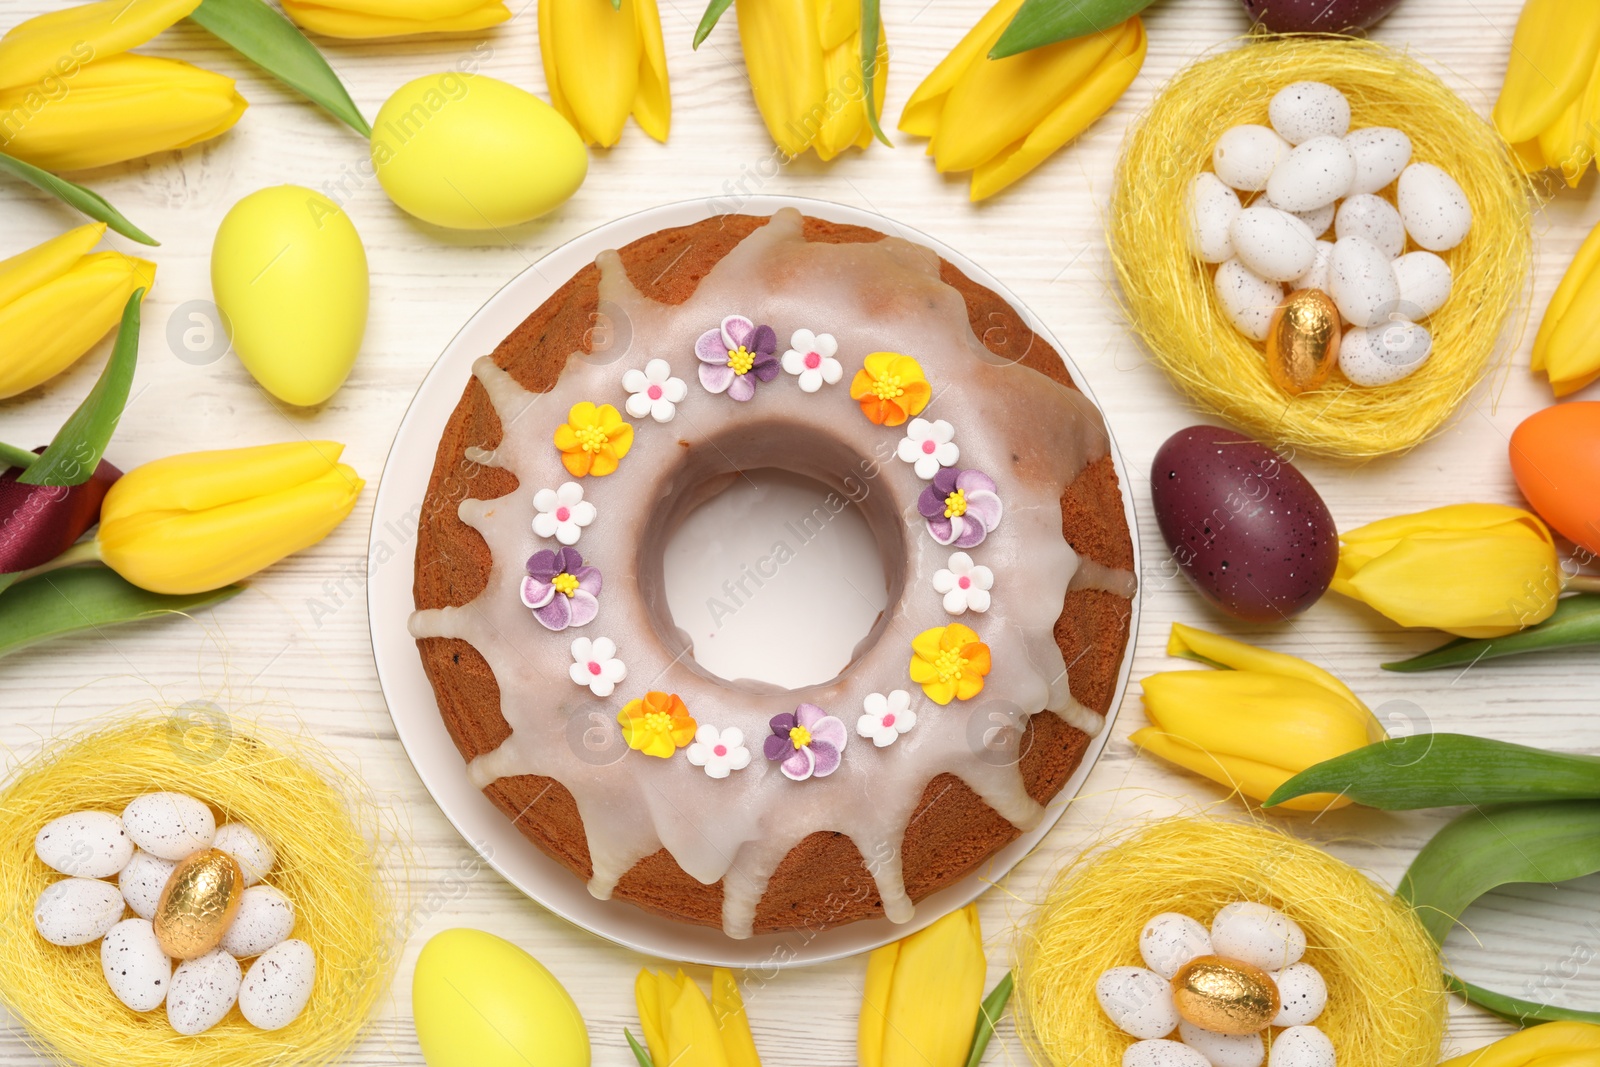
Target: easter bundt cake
(629, 398)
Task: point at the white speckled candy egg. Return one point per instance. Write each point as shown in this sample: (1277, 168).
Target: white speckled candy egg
(136, 969)
(1221, 1050)
(1381, 153)
(1212, 209)
(1424, 281)
(1305, 110)
(1312, 175)
(86, 844)
(1162, 1054)
(142, 881)
(278, 986)
(1435, 210)
(1246, 155)
(1258, 935)
(265, 918)
(1317, 276)
(1361, 281)
(1273, 244)
(1379, 355)
(203, 991)
(255, 857)
(1302, 994)
(1247, 299)
(1170, 940)
(1138, 1001)
(1302, 1046)
(1317, 220)
(1372, 217)
(169, 825)
(76, 911)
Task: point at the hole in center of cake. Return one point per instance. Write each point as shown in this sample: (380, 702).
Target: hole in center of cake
(776, 578)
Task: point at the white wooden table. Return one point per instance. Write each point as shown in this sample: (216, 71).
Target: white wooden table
(294, 649)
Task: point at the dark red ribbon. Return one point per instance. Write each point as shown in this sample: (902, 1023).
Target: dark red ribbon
(39, 522)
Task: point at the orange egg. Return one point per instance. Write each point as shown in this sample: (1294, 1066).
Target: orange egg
(1555, 456)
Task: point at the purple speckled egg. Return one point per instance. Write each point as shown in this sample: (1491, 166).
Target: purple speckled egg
(1244, 526)
(1317, 16)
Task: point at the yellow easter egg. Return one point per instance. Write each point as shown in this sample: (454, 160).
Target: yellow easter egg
(480, 1001)
(198, 904)
(290, 277)
(473, 153)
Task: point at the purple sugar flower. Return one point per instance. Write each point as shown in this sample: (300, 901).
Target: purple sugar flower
(734, 357)
(561, 591)
(806, 744)
(961, 507)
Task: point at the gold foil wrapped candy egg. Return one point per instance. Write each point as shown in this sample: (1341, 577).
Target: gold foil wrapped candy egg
(198, 903)
(1225, 996)
(1303, 341)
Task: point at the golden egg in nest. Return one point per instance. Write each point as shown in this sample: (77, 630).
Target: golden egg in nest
(1225, 996)
(198, 903)
(1303, 341)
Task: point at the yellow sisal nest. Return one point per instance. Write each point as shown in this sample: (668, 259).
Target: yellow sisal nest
(1386, 997)
(284, 788)
(1167, 291)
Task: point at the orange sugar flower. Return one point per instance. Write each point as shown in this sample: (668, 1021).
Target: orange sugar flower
(657, 725)
(949, 662)
(890, 388)
(593, 439)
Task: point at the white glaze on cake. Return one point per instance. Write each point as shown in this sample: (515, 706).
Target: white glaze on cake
(1031, 435)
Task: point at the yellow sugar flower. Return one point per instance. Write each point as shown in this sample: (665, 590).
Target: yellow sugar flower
(658, 724)
(890, 388)
(593, 439)
(949, 662)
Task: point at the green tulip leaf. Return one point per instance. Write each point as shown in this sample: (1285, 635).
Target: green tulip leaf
(871, 29)
(73, 456)
(85, 200)
(1041, 22)
(275, 44)
(1575, 622)
(638, 1050)
(1443, 770)
(86, 598)
(1521, 1012)
(708, 21)
(989, 1012)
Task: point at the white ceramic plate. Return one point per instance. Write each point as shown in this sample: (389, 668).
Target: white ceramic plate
(410, 697)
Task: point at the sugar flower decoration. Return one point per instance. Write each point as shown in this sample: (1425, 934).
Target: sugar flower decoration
(807, 744)
(654, 391)
(890, 388)
(562, 513)
(657, 724)
(720, 752)
(735, 357)
(561, 591)
(595, 664)
(810, 358)
(927, 446)
(593, 439)
(961, 507)
(965, 585)
(885, 718)
(949, 662)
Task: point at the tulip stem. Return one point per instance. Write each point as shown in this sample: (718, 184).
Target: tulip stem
(1583, 583)
(12, 456)
(82, 552)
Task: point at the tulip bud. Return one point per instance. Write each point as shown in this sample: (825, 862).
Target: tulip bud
(681, 1027)
(601, 63)
(1475, 570)
(1549, 103)
(394, 18)
(193, 522)
(1564, 348)
(920, 1004)
(1256, 722)
(57, 300)
(54, 45)
(1000, 118)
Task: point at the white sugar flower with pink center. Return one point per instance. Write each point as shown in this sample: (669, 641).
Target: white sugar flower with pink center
(720, 752)
(927, 446)
(885, 718)
(563, 513)
(810, 358)
(965, 585)
(595, 664)
(654, 391)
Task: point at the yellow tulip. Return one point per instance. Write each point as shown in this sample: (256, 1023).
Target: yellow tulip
(1558, 1044)
(1475, 570)
(920, 1004)
(803, 58)
(1254, 723)
(395, 18)
(1000, 118)
(602, 63)
(189, 523)
(57, 300)
(1564, 348)
(56, 44)
(683, 1029)
(1549, 104)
